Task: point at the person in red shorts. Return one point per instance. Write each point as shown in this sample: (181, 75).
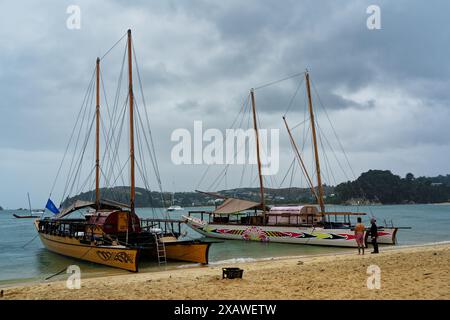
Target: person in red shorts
(359, 235)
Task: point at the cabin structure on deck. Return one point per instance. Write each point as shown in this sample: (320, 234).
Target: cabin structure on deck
(288, 215)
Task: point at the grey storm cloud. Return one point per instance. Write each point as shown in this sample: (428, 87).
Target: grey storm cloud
(386, 90)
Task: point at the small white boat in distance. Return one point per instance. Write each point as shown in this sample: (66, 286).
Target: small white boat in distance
(174, 208)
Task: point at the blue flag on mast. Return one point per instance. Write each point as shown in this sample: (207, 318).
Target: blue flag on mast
(51, 206)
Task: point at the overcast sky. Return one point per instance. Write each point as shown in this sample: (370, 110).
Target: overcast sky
(387, 91)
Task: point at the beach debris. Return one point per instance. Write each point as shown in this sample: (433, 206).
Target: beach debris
(232, 273)
(300, 262)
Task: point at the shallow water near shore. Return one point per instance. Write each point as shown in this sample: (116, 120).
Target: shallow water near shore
(23, 259)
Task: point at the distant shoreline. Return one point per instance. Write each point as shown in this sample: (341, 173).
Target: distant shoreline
(5, 210)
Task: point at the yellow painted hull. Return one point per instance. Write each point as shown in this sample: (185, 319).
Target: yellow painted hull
(188, 251)
(113, 256)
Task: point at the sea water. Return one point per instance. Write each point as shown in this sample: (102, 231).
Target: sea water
(23, 258)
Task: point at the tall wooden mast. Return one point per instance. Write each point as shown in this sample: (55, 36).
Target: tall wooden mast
(97, 136)
(258, 157)
(314, 138)
(131, 99)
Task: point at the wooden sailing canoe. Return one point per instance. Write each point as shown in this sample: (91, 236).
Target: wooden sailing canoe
(97, 236)
(343, 237)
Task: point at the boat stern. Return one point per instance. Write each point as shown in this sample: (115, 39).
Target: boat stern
(387, 236)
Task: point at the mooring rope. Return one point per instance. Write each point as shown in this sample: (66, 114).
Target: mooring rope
(30, 241)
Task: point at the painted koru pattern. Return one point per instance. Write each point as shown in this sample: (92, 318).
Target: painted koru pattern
(104, 255)
(120, 256)
(123, 257)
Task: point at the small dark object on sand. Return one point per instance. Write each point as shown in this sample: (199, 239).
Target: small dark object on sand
(232, 273)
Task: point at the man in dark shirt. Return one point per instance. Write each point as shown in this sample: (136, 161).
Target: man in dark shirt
(374, 235)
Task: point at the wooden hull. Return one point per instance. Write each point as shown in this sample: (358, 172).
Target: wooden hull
(113, 256)
(190, 251)
(285, 234)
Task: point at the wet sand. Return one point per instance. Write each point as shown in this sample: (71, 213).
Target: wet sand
(421, 272)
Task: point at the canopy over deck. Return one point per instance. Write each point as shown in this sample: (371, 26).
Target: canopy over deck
(80, 204)
(212, 194)
(232, 205)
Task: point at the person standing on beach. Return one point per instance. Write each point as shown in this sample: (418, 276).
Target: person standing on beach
(374, 234)
(359, 236)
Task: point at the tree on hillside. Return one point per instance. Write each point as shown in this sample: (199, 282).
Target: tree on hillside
(388, 188)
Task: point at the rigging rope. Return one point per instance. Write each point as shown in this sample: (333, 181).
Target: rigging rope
(112, 148)
(280, 80)
(293, 97)
(71, 135)
(150, 146)
(114, 45)
(80, 162)
(340, 145)
(83, 112)
(222, 173)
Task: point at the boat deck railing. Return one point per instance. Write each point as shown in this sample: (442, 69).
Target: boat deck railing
(72, 228)
(167, 226)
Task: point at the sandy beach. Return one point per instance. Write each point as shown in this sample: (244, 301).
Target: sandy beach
(421, 272)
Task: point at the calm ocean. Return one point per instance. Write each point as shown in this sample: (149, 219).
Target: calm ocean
(429, 223)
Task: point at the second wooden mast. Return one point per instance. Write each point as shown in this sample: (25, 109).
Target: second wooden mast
(131, 99)
(258, 157)
(97, 136)
(316, 152)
